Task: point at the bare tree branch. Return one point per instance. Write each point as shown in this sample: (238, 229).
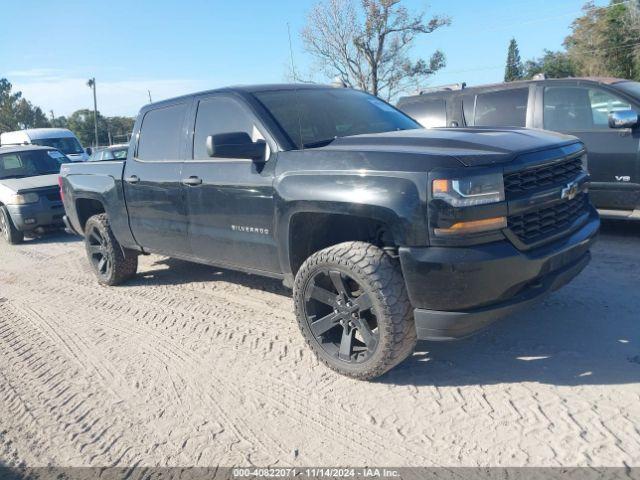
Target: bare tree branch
(367, 44)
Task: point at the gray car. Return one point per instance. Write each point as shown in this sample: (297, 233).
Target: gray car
(29, 193)
(601, 112)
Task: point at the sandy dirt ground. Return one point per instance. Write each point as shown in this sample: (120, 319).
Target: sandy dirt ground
(192, 366)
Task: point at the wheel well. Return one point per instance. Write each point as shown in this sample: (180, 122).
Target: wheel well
(311, 232)
(87, 208)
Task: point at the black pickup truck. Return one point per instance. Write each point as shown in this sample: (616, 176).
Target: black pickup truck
(387, 232)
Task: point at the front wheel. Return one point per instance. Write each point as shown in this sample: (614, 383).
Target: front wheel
(8, 230)
(353, 310)
(111, 263)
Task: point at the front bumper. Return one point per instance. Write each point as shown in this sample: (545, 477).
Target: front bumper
(457, 291)
(36, 216)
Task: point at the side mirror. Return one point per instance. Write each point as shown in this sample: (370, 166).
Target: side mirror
(88, 151)
(623, 119)
(235, 145)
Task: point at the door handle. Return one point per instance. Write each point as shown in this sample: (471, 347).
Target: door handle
(132, 179)
(192, 181)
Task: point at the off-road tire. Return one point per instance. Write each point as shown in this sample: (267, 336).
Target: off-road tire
(380, 276)
(10, 233)
(123, 262)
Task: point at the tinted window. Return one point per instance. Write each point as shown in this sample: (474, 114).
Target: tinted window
(120, 154)
(31, 163)
(221, 115)
(313, 117)
(161, 133)
(430, 113)
(579, 108)
(67, 145)
(507, 108)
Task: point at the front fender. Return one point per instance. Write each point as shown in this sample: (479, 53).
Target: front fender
(397, 200)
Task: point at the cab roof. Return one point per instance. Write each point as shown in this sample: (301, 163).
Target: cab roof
(247, 89)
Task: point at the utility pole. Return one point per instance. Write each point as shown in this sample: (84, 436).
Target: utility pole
(151, 101)
(92, 84)
(52, 115)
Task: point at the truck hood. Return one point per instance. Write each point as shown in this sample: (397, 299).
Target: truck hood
(18, 185)
(470, 146)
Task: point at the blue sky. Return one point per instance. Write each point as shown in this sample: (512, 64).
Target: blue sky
(172, 47)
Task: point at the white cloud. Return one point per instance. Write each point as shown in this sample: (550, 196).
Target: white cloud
(44, 88)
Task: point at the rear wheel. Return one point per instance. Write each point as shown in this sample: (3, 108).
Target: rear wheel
(111, 263)
(353, 310)
(8, 230)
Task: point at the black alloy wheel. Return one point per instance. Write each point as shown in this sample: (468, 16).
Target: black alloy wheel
(340, 315)
(111, 263)
(98, 252)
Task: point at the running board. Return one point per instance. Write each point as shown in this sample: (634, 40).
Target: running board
(620, 214)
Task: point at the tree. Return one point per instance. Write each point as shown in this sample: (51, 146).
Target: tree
(110, 129)
(120, 129)
(16, 112)
(81, 123)
(513, 70)
(59, 122)
(366, 44)
(552, 64)
(604, 40)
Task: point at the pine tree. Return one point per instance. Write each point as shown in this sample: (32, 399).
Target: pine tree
(513, 70)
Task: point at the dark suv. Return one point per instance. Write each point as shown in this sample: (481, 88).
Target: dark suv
(602, 112)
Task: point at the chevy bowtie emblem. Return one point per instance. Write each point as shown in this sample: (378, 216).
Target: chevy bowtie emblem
(570, 191)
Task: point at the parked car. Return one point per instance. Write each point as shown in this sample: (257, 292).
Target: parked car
(386, 231)
(113, 152)
(29, 193)
(601, 112)
(61, 139)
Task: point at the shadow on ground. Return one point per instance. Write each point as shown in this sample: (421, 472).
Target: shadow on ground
(171, 271)
(52, 237)
(588, 333)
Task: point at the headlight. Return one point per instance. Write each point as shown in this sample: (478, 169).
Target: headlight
(23, 198)
(470, 191)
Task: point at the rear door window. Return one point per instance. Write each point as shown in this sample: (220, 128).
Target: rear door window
(569, 108)
(505, 108)
(429, 113)
(161, 134)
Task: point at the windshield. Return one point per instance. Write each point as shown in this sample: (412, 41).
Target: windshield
(120, 153)
(31, 163)
(315, 117)
(632, 88)
(67, 145)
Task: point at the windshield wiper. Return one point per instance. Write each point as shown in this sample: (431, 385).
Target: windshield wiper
(319, 143)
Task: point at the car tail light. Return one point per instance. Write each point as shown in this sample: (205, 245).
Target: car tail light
(61, 189)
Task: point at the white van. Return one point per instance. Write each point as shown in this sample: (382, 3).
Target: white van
(59, 138)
